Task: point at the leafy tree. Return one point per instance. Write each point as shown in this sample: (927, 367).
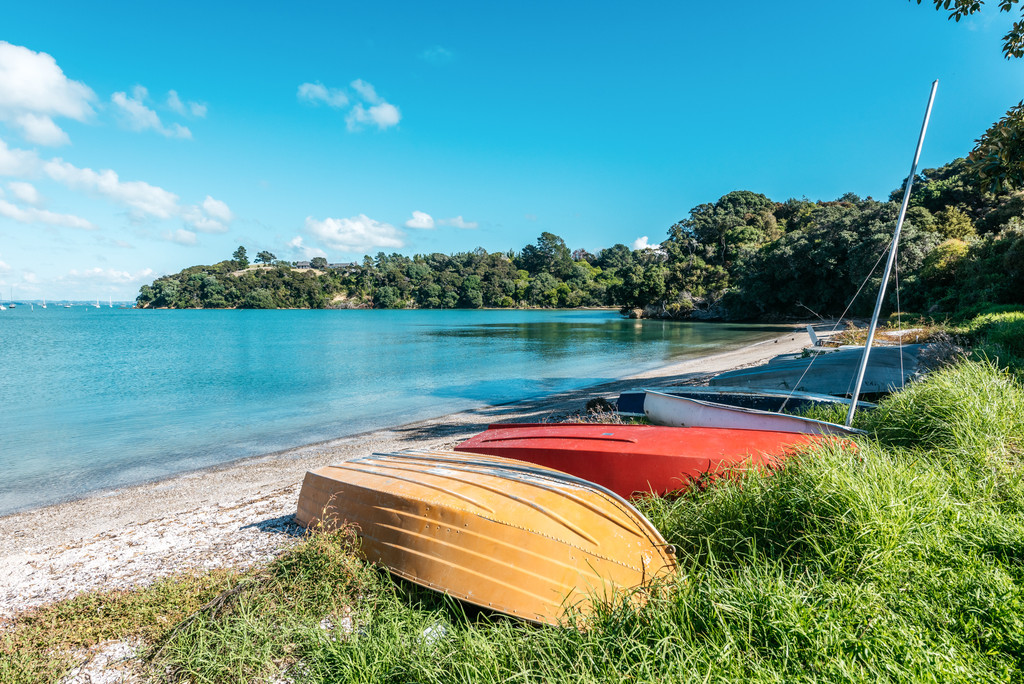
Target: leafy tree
(1013, 41)
(265, 257)
(318, 263)
(549, 255)
(998, 155)
(240, 257)
(953, 223)
(260, 298)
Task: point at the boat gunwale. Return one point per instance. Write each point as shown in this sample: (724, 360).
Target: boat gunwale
(841, 429)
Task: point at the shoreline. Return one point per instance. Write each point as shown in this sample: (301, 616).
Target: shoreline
(240, 514)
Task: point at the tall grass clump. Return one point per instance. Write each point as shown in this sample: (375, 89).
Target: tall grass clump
(999, 335)
(972, 408)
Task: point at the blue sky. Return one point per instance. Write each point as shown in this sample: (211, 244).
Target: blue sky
(140, 138)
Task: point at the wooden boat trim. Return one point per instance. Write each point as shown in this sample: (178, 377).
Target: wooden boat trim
(556, 476)
(457, 495)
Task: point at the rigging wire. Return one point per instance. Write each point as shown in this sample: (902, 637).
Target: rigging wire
(839, 321)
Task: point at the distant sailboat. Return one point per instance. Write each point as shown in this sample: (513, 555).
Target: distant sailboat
(44, 302)
(110, 302)
(97, 304)
(12, 304)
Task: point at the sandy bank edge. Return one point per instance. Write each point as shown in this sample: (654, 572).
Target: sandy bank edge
(240, 514)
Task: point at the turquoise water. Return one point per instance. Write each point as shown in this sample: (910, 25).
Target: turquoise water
(92, 399)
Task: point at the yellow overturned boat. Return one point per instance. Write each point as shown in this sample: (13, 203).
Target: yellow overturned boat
(502, 534)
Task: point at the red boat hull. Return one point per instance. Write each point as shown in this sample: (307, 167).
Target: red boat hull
(636, 459)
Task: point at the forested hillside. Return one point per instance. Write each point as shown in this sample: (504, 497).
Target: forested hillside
(744, 256)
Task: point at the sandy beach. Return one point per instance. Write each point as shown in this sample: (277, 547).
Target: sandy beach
(241, 514)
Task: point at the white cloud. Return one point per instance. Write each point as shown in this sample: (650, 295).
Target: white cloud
(437, 55)
(303, 250)
(15, 162)
(41, 130)
(459, 222)
(530, 217)
(212, 217)
(420, 219)
(357, 234)
(318, 92)
(181, 236)
(141, 196)
(383, 115)
(4, 267)
(217, 210)
(195, 218)
(26, 192)
(33, 90)
(372, 110)
(197, 109)
(139, 117)
(33, 215)
(367, 91)
(109, 275)
(174, 102)
(642, 243)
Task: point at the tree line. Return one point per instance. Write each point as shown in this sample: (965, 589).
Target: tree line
(743, 256)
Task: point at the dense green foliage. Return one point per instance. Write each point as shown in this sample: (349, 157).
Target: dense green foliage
(744, 256)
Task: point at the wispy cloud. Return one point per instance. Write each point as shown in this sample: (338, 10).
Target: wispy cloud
(107, 276)
(142, 199)
(196, 109)
(459, 222)
(317, 93)
(369, 108)
(357, 234)
(34, 90)
(421, 220)
(138, 117)
(16, 162)
(180, 236)
(437, 54)
(303, 250)
(139, 195)
(32, 215)
(25, 192)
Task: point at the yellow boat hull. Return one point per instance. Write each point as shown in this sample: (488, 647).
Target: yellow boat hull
(506, 535)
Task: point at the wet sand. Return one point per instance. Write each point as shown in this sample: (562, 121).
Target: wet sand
(241, 513)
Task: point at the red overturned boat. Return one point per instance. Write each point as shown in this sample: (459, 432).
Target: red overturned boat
(636, 459)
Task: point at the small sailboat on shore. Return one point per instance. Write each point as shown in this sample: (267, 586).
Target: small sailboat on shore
(679, 411)
(631, 401)
(505, 535)
(664, 409)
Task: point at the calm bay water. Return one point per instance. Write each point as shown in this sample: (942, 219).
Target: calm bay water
(92, 399)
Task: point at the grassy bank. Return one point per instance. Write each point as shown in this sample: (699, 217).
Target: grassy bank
(899, 560)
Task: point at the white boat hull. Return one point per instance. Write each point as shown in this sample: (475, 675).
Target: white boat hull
(676, 411)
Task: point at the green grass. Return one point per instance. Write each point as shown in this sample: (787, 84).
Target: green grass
(899, 559)
(37, 648)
